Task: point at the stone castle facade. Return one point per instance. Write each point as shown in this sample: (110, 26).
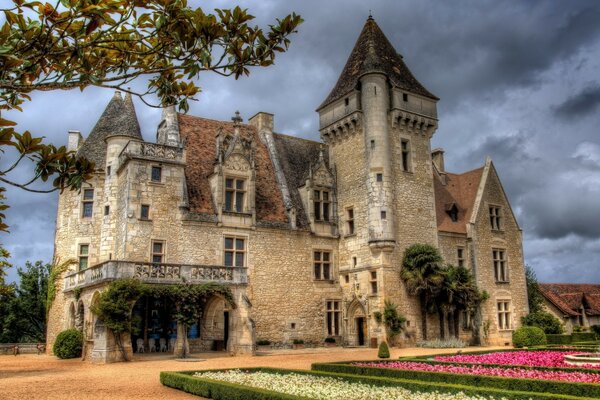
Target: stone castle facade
(308, 235)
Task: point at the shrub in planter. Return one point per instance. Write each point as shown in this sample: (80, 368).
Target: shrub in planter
(384, 351)
(527, 336)
(68, 344)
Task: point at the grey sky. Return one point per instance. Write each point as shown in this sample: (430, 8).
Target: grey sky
(518, 81)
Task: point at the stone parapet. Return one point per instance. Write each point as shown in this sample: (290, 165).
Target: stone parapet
(154, 273)
(150, 151)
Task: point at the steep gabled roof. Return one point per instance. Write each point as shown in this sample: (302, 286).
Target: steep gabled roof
(199, 135)
(374, 53)
(571, 297)
(460, 190)
(118, 118)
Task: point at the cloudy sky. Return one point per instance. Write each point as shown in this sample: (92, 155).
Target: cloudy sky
(518, 81)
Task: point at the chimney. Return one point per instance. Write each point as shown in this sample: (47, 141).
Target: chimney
(75, 140)
(437, 156)
(262, 120)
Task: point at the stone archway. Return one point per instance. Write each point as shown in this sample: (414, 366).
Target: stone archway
(356, 324)
(215, 330)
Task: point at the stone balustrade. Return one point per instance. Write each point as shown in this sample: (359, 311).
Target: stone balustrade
(155, 273)
(152, 151)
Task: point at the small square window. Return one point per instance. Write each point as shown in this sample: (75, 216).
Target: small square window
(379, 177)
(293, 325)
(158, 251)
(383, 215)
(404, 97)
(145, 212)
(88, 209)
(156, 174)
(88, 194)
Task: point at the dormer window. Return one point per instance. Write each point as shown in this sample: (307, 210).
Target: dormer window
(235, 193)
(453, 213)
(322, 203)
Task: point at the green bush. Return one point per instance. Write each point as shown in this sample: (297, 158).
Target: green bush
(442, 344)
(541, 388)
(263, 342)
(578, 328)
(583, 337)
(596, 330)
(545, 321)
(558, 339)
(384, 351)
(527, 336)
(68, 344)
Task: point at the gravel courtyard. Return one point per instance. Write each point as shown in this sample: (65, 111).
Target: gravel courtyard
(29, 377)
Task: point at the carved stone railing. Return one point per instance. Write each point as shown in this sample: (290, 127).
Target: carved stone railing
(155, 273)
(152, 151)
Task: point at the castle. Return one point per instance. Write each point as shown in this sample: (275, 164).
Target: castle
(309, 236)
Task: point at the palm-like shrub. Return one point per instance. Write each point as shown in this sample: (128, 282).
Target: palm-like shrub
(68, 344)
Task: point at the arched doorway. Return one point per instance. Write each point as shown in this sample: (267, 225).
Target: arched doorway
(154, 325)
(216, 324)
(356, 324)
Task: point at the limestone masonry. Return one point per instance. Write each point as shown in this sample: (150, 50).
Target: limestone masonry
(308, 235)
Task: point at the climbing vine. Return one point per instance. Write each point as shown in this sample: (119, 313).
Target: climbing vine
(55, 273)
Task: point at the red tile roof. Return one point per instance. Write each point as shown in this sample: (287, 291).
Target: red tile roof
(570, 297)
(200, 143)
(460, 190)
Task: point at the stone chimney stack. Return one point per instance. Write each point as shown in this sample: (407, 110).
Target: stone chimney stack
(262, 121)
(437, 155)
(168, 129)
(75, 140)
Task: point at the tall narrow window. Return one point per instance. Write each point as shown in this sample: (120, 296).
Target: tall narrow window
(156, 175)
(500, 265)
(333, 316)
(321, 203)
(106, 210)
(374, 282)
(350, 221)
(504, 315)
(145, 212)
(404, 97)
(235, 252)
(87, 203)
(322, 265)
(354, 262)
(108, 171)
(379, 177)
(84, 253)
(405, 154)
(495, 217)
(235, 192)
(158, 251)
(460, 256)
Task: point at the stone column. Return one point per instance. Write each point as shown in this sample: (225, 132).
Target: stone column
(241, 336)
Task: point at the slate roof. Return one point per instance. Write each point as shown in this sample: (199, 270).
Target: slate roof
(118, 118)
(570, 297)
(461, 190)
(199, 135)
(374, 53)
(296, 156)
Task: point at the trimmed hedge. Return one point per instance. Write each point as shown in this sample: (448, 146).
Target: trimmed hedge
(68, 344)
(384, 351)
(527, 336)
(226, 391)
(583, 336)
(559, 339)
(479, 381)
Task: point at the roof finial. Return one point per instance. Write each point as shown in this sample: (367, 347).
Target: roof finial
(370, 16)
(237, 120)
(321, 153)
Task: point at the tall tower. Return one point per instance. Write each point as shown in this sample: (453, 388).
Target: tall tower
(378, 121)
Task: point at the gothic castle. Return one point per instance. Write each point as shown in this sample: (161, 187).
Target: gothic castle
(309, 236)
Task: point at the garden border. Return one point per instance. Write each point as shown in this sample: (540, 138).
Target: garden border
(219, 390)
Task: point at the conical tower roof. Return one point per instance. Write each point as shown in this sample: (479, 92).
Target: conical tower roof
(374, 53)
(118, 118)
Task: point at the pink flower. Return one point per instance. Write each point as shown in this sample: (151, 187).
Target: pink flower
(529, 358)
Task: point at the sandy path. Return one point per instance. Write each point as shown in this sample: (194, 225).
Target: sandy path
(29, 377)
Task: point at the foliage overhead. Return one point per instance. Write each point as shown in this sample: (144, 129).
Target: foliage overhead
(4, 256)
(110, 43)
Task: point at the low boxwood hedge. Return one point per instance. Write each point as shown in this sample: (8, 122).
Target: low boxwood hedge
(583, 337)
(226, 391)
(479, 381)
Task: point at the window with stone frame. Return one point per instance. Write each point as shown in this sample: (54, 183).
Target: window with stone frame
(322, 265)
(321, 205)
(234, 251)
(460, 256)
(405, 155)
(496, 218)
(504, 315)
(500, 265)
(156, 174)
(235, 194)
(333, 317)
(84, 253)
(87, 203)
(158, 251)
(350, 221)
(374, 288)
(145, 212)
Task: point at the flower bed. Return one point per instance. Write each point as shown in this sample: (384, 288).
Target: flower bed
(511, 372)
(324, 387)
(553, 359)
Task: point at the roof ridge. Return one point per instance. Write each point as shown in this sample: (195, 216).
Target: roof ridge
(298, 138)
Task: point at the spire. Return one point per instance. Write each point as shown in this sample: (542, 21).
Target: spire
(118, 118)
(374, 53)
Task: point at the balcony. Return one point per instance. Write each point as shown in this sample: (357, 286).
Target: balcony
(155, 273)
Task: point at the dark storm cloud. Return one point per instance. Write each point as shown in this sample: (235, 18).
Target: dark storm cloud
(581, 104)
